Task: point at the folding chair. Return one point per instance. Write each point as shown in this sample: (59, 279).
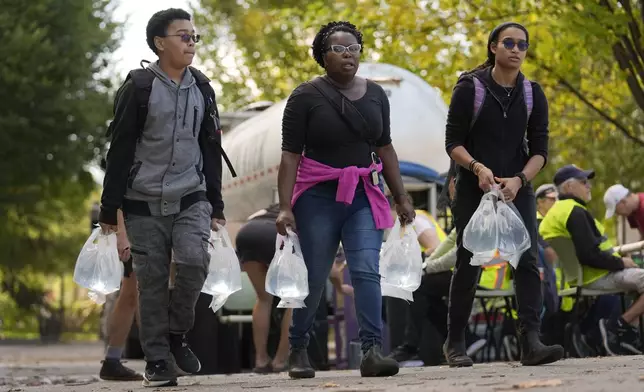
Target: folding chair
(573, 273)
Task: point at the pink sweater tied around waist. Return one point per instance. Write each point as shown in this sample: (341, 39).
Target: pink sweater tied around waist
(311, 173)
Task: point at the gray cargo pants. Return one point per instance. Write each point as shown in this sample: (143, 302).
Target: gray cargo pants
(152, 240)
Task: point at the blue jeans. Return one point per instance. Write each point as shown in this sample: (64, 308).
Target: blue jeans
(321, 224)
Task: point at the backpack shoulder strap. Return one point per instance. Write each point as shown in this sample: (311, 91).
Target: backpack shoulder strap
(210, 102)
(479, 98)
(142, 79)
(203, 83)
(528, 97)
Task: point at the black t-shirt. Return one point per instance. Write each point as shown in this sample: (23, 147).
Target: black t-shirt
(313, 126)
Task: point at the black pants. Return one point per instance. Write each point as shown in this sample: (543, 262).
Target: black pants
(465, 278)
(428, 304)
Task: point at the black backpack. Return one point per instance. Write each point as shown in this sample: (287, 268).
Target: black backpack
(142, 79)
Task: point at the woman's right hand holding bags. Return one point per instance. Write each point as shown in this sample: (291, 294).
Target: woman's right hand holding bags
(485, 175)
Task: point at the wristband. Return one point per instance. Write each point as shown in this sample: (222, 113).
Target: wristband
(522, 177)
(471, 165)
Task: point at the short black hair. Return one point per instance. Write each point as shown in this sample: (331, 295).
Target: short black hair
(159, 22)
(319, 42)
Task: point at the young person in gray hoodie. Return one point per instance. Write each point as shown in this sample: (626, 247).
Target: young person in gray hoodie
(164, 172)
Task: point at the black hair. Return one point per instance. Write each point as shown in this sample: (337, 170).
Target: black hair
(494, 36)
(319, 42)
(444, 200)
(159, 22)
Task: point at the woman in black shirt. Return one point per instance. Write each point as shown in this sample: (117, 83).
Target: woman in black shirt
(335, 142)
(490, 147)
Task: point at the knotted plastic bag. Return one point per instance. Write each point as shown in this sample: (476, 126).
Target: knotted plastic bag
(496, 232)
(401, 263)
(224, 272)
(98, 267)
(287, 276)
(514, 238)
(481, 233)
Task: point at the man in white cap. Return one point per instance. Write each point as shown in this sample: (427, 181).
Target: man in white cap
(621, 201)
(603, 269)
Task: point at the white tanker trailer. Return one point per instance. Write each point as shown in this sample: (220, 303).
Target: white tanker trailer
(418, 116)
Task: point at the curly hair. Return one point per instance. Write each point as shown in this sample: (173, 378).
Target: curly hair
(319, 43)
(159, 23)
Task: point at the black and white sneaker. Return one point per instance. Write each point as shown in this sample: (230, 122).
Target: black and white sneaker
(158, 374)
(610, 339)
(619, 338)
(186, 361)
(475, 347)
(629, 340)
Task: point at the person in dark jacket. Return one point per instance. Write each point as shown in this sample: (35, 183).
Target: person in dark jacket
(491, 150)
(167, 182)
(603, 268)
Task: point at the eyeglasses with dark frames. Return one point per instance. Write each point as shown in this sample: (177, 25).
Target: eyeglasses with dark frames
(510, 43)
(185, 37)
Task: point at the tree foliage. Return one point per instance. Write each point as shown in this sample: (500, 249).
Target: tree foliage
(586, 54)
(52, 121)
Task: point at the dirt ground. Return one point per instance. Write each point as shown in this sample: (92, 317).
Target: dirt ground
(74, 368)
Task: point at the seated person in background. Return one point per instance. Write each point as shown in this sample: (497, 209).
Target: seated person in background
(429, 235)
(335, 276)
(546, 196)
(429, 298)
(603, 269)
(621, 201)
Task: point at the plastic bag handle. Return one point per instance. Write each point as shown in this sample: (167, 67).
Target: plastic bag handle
(223, 233)
(279, 241)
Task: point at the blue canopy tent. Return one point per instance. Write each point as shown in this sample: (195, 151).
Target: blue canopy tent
(420, 172)
(418, 177)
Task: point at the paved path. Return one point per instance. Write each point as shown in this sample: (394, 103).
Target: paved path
(57, 369)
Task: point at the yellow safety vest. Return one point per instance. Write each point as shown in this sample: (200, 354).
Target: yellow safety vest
(496, 276)
(554, 225)
(566, 303)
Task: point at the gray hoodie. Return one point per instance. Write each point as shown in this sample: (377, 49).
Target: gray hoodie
(168, 161)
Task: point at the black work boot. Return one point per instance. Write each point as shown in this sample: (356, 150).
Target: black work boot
(535, 353)
(374, 364)
(299, 365)
(456, 354)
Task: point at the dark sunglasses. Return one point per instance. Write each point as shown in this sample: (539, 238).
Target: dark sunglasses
(339, 49)
(185, 37)
(509, 44)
